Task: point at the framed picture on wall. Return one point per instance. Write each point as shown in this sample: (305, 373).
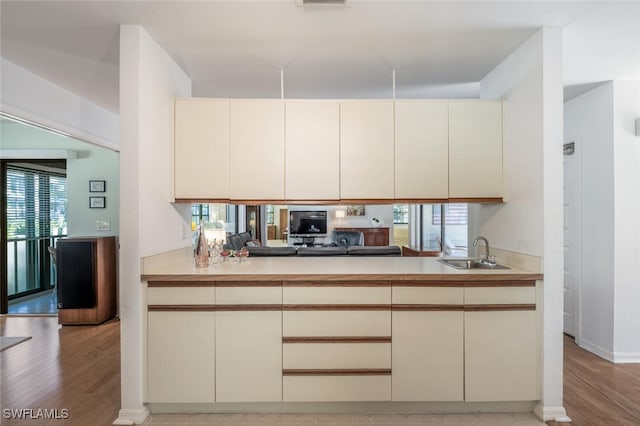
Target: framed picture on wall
(97, 202)
(356, 210)
(97, 186)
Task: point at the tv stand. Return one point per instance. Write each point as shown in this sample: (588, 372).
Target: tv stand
(306, 240)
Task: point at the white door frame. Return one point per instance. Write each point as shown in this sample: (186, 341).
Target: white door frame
(576, 219)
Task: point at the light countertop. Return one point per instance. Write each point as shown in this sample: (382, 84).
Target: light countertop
(179, 265)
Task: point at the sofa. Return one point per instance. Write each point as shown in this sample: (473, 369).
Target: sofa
(342, 243)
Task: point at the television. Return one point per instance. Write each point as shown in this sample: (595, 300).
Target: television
(307, 223)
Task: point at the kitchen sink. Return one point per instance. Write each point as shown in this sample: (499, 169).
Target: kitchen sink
(471, 264)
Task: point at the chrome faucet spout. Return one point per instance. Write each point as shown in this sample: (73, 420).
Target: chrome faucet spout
(486, 244)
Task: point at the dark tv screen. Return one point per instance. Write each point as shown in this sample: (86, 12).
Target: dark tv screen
(308, 222)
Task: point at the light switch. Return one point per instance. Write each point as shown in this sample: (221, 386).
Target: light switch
(103, 225)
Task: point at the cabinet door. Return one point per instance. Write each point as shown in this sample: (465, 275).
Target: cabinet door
(475, 149)
(312, 135)
(201, 149)
(427, 356)
(501, 356)
(180, 357)
(366, 150)
(421, 150)
(249, 356)
(257, 150)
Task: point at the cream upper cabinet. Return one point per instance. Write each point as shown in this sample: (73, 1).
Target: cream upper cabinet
(421, 150)
(201, 149)
(312, 150)
(256, 169)
(475, 149)
(366, 150)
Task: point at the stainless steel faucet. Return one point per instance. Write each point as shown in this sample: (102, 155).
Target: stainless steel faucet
(486, 243)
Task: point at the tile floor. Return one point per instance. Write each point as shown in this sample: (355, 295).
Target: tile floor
(519, 419)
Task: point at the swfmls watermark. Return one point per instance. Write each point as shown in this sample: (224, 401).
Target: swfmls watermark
(35, 413)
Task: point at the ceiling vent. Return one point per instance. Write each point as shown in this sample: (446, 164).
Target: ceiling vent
(315, 2)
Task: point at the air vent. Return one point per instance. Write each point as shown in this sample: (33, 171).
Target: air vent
(315, 2)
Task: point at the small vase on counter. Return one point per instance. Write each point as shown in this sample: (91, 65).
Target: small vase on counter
(202, 249)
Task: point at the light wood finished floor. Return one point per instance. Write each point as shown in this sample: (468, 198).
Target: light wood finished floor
(72, 367)
(78, 368)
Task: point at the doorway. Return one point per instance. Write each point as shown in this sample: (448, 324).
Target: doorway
(572, 239)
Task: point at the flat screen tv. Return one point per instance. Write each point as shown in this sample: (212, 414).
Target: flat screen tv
(303, 223)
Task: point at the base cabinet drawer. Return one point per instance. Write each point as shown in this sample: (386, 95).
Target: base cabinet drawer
(336, 323)
(336, 355)
(336, 388)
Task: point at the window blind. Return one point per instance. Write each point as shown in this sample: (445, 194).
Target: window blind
(36, 203)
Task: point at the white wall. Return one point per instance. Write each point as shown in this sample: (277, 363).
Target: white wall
(94, 162)
(589, 123)
(530, 221)
(32, 98)
(149, 79)
(601, 122)
(626, 106)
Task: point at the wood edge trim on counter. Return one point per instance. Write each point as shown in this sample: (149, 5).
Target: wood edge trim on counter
(336, 372)
(214, 308)
(501, 307)
(367, 283)
(336, 339)
(417, 307)
(421, 200)
(183, 284)
(425, 283)
(336, 307)
(248, 284)
(347, 201)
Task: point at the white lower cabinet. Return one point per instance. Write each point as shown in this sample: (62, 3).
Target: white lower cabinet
(249, 356)
(428, 356)
(180, 357)
(501, 356)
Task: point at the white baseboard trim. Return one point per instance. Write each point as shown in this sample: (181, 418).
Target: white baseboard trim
(131, 416)
(598, 350)
(556, 414)
(626, 358)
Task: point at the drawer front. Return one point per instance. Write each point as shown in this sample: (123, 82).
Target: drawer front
(336, 295)
(428, 295)
(336, 355)
(180, 296)
(336, 323)
(499, 295)
(248, 295)
(336, 388)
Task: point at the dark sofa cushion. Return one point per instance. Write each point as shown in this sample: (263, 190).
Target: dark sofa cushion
(374, 251)
(322, 251)
(272, 251)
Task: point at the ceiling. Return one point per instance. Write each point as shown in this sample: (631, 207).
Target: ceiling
(238, 48)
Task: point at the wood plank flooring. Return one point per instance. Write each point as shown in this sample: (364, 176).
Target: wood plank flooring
(78, 368)
(72, 367)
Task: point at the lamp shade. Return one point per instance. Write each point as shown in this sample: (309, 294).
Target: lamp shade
(340, 214)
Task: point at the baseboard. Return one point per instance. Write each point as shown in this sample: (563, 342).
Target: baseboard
(556, 414)
(131, 416)
(597, 350)
(626, 358)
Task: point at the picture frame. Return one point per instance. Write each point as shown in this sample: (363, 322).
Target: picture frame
(356, 210)
(97, 202)
(97, 186)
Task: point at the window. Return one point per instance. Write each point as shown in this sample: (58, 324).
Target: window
(455, 214)
(36, 207)
(401, 213)
(199, 212)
